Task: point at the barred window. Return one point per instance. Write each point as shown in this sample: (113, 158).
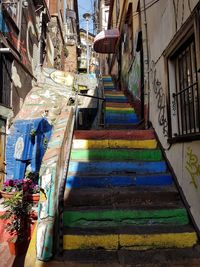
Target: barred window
(183, 63)
(186, 97)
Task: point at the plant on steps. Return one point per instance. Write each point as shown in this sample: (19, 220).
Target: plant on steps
(18, 221)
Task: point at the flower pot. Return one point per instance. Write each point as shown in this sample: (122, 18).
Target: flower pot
(33, 197)
(18, 247)
(7, 195)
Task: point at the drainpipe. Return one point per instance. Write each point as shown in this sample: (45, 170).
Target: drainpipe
(65, 12)
(40, 40)
(146, 61)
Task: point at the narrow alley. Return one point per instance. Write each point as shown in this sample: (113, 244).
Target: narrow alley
(99, 133)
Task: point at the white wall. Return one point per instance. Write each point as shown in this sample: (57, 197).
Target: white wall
(164, 19)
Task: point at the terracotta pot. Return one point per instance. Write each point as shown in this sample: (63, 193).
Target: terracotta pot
(7, 195)
(18, 247)
(33, 197)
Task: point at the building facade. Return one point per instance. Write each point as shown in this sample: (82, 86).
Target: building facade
(21, 26)
(101, 8)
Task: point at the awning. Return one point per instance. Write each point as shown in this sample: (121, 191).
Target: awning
(106, 41)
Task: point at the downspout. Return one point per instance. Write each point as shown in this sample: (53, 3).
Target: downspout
(65, 12)
(146, 61)
(40, 39)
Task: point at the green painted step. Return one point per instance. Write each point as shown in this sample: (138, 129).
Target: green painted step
(116, 154)
(114, 218)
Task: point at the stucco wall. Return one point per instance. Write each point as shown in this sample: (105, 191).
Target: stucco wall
(164, 20)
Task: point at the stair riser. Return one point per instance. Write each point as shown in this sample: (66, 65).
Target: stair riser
(114, 134)
(108, 168)
(119, 218)
(102, 144)
(112, 154)
(118, 100)
(119, 111)
(120, 119)
(115, 97)
(117, 105)
(120, 198)
(121, 116)
(85, 181)
(131, 242)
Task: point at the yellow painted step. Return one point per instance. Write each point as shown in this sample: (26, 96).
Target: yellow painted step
(119, 109)
(135, 242)
(87, 144)
(114, 94)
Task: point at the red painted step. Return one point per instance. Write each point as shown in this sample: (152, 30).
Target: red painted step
(118, 105)
(115, 134)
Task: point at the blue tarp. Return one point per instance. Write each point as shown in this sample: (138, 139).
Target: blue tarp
(26, 145)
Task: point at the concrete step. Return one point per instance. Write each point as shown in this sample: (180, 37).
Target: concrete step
(122, 197)
(130, 237)
(115, 134)
(116, 167)
(121, 118)
(113, 143)
(111, 219)
(183, 257)
(116, 154)
(98, 181)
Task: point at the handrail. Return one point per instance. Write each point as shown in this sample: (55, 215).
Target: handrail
(63, 180)
(49, 245)
(96, 97)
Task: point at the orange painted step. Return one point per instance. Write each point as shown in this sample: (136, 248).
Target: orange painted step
(118, 105)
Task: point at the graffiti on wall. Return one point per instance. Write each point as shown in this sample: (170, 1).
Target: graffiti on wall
(135, 77)
(27, 43)
(192, 166)
(160, 98)
(180, 8)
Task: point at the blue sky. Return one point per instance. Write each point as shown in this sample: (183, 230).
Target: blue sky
(85, 6)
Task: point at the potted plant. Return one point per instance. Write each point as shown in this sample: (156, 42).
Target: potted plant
(18, 221)
(29, 186)
(10, 187)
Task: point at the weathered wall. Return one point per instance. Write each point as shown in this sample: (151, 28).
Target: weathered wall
(164, 20)
(55, 43)
(71, 60)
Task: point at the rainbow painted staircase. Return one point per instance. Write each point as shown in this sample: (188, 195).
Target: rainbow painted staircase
(121, 205)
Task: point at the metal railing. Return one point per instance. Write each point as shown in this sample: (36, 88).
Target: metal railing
(187, 104)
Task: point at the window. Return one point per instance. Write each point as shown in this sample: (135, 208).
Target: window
(186, 97)
(183, 79)
(5, 79)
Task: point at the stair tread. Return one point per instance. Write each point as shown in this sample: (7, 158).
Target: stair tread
(149, 258)
(114, 134)
(130, 230)
(130, 208)
(122, 196)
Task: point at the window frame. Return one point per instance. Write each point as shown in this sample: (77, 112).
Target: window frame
(191, 27)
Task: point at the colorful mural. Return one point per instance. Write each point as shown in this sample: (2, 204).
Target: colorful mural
(134, 79)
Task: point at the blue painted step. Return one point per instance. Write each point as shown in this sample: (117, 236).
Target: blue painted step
(116, 167)
(121, 118)
(107, 79)
(117, 99)
(119, 180)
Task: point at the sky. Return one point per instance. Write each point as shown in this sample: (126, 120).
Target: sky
(85, 6)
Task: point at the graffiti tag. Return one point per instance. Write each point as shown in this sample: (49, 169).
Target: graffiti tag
(192, 166)
(160, 96)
